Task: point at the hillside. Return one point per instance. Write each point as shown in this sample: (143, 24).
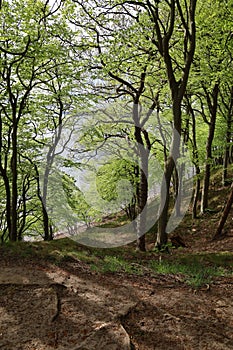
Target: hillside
(61, 295)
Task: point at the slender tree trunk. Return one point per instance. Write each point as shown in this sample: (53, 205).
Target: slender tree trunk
(45, 223)
(178, 89)
(224, 216)
(180, 168)
(46, 226)
(196, 164)
(175, 183)
(226, 162)
(14, 190)
(142, 205)
(196, 193)
(213, 105)
(164, 203)
(8, 199)
(142, 189)
(49, 162)
(206, 183)
(50, 232)
(45, 194)
(231, 154)
(168, 169)
(3, 172)
(226, 159)
(23, 211)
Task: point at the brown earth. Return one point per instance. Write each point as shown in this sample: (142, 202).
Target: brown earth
(45, 307)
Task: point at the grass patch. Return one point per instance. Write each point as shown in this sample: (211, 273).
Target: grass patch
(57, 251)
(115, 264)
(196, 270)
(53, 251)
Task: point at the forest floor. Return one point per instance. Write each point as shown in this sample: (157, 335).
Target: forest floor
(60, 295)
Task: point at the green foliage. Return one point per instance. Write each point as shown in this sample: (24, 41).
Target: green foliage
(111, 184)
(77, 202)
(53, 71)
(36, 92)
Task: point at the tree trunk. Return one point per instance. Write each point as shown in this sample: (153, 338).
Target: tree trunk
(142, 193)
(142, 205)
(196, 192)
(13, 235)
(180, 191)
(205, 189)
(49, 163)
(226, 159)
(213, 106)
(162, 236)
(3, 172)
(224, 216)
(8, 199)
(180, 169)
(164, 204)
(195, 161)
(225, 163)
(45, 223)
(177, 89)
(23, 210)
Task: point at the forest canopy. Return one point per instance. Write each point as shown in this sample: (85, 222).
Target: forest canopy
(111, 107)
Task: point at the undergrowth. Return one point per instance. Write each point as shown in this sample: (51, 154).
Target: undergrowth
(192, 269)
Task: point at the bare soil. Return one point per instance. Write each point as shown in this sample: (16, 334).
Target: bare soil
(46, 307)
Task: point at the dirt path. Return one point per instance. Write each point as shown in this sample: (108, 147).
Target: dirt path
(45, 307)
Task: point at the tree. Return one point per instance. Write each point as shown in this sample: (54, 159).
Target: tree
(224, 216)
(210, 73)
(134, 65)
(129, 84)
(166, 30)
(212, 102)
(29, 56)
(109, 177)
(137, 63)
(56, 107)
(226, 108)
(76, 200)
(195, 154)
(17, 82)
